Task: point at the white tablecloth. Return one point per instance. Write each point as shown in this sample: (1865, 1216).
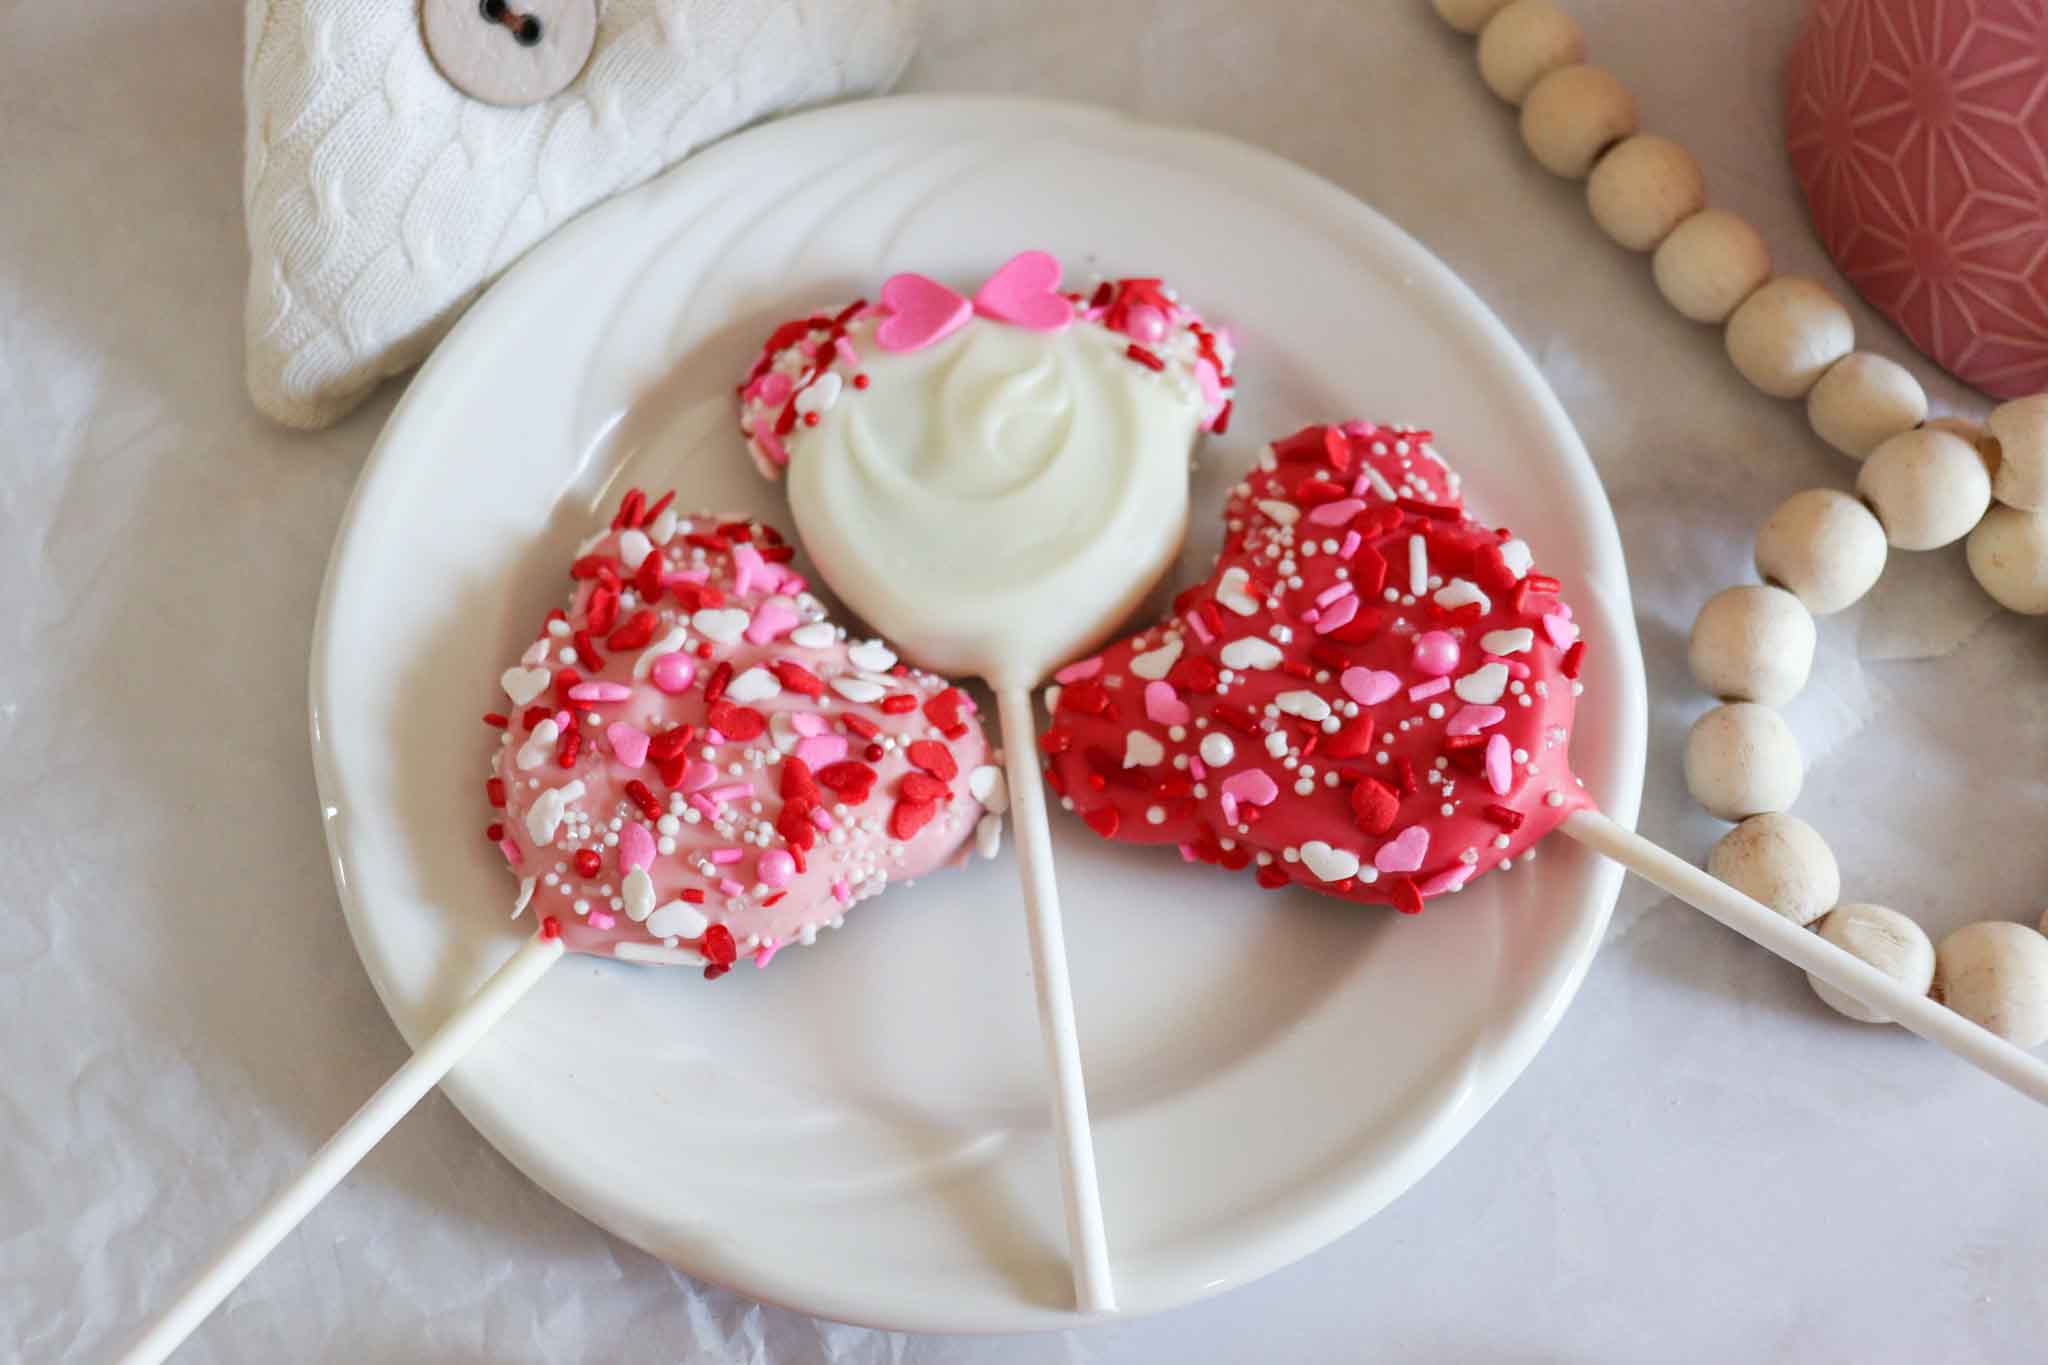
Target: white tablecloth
(1704, 1164)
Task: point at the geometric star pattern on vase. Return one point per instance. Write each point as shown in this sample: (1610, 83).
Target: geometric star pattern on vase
(1918, 130)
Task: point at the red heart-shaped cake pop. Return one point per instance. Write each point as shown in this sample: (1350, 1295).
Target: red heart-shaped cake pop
(1371, 695)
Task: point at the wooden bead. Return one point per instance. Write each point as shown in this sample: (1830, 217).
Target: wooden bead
(1863, 399)
(2020, 430)
(1996, 974)
(1467, 16)
(1785, 335)
(2008, 555)
(1643, 189)
(1573, 115)
(1823, 547)
(1928, 488)
(1525, 42)
(1709, 264)
(1888, 941)
(1753, 644)
(1741, 760)
(1783, 862)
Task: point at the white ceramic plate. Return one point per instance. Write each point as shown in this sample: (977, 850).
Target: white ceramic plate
(861, 1131)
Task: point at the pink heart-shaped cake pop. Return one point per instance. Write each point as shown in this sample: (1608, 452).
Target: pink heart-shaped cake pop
(918, 311)
(1370, 701)
(655, 798)
(1026, 293)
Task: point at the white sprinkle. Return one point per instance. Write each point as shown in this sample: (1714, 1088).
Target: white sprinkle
(755, 684)
(814, 635)
(1515, 641)
(856, 689)
(1307, 705)
(987, 785)
(1142, 751)
(1250, 652)
(1418, 565)
(677, 919)
(871, 656)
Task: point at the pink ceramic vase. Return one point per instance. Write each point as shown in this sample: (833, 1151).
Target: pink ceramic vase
(1919, 131)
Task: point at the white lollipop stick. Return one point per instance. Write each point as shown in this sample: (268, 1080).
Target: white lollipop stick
(1087, 1244)
(349, 1145)
(1846, 972)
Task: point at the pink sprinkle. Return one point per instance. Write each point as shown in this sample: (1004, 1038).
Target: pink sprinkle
(1336, 616)
(712, 735)
(1187, 853)
(1335, 513)
(747, 566)
(1163, 705)
(1424, 691)
(772, 620)
(1352, 540)
(1470, 720)
(704, 808)
(599, 690)
(731, 791)
(1558, 626)
(698, 776)
(1500, 765)
(1369, 686)
(696, 576)
(629, 743)
(602, 919)
(969, 705)
(765, 954)
(819, 818)
(1452, 878)
(1332, 593)
(843, 350)
(775, 867)
(841, 894)
(511, 852)
(1355, 427)
(1229, 804)
(1211, 385)
(636, 848)
(1201, 630)
(722, 856)
(821, 749)
(1404, 852)
(1197, 769)
(770, 443)
(1251, 786)
(771, 388)
(1515, 667)
(731, 887)
(808, 723)
(1311, 616)
(1359, 485)
(1077, 672)
(792, 583)
(673, 673)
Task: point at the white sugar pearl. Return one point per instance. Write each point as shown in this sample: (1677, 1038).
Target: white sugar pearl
(1525, 42)
(1573, 115)
(1862, 400)
(1783, 862)
(2020, 429)
(1753, 644)
(1928, 488)
(1741, 760)
(1786, 334)
(2008, 554)
(1822, 546)
(1467, 16)
(1709, 264)
(1996, 975)
(1888, 941)
(1643, 189)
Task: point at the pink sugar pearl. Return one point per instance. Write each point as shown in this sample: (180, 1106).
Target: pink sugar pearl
(1436, 653)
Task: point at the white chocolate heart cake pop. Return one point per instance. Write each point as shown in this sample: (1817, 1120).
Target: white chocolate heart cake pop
(1371, 695)
(991, 482)
(696, 764)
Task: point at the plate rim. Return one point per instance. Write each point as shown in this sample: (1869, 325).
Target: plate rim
(1350, 1202)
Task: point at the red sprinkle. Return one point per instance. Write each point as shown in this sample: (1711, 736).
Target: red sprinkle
(739, 723)
(860, 725)
(1272, 876)
(934, 757)
(647, 578)
(1506, 817)
(692, 895)
(851, 780)
(1374, 805)
(1574, 659)
(496, 720)
(1407, 899)
(660, 505)
(860, 381)
(637, 792)
(716, 970)
(586, 652)
(715, 685)
(669, 744)
(493, 832)
(637, 631)
(797, 784)
(898, 703)
(801, 680)
(1435, 511)
(570, 745)
(588, 863)
(922, 787)
(1222, 426)
(1404, 773)
(718, 947)
(532, 716)
(604, 609)
(1104, 821)
(494, 792)
(551, 928)
(1144, 357)
(911, 816)
(630, 508)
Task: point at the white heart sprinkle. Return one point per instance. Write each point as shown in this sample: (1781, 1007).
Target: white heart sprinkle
(1307, 705)
(722, 624)
(1142, 751)
(1482, 686)
(987, 785)
(1516, 555)
(755, 684)
(814, 635)
(1155, 664)
(1250, 652)
(677, 919)
(820, 394)
(544, 816)
(856, 689)
(522, 685)
(782, 731)
(638, 894)
(1276, 743)
(871, 656)
(1217, 749)
(536, 655)
(634, 547)
(1460, 591)
(538, 747)
(1282, 513)
(1329, 864)
(663, 528)
(1515, 641)
(1230, 591)
(676, 638)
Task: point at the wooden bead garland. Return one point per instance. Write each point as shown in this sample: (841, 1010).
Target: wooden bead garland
(1924, 483)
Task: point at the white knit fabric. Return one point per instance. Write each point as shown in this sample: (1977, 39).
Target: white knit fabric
(380, 199)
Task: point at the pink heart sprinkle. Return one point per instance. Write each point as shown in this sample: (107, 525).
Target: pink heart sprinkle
(1025, 293)
(1163, 705)
(819, 750)
(1369, 686)
(921, 312)
(636, 848)
(1337, 615)
(748, 568)
(1404, 852)
(774, 868)
(1500, 765)
(672, 673)
(629, 743)
(1470, 720)
(807, 723)
(1560, 629)
(772, 621)
(1451, 879)
(1077, 672)
(1336, 513)
(1251, 786)
(698, 776)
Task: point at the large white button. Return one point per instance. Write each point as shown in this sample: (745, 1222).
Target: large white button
(509, 52)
